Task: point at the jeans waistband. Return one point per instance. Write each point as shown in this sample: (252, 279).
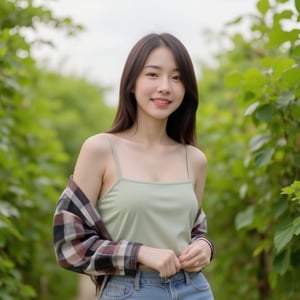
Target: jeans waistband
(149, 276)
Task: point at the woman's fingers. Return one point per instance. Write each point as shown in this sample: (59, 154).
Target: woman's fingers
(195, 256)
(164, 261)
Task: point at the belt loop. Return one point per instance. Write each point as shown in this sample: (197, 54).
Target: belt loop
(137, 280)
(187, 277)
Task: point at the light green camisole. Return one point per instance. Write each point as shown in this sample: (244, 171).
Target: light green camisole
(157, 214)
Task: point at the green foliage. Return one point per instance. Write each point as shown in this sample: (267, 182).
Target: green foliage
(253, 100)
(79, 110)
(32, 160)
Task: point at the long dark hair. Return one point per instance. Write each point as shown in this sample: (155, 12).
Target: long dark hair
(181, 125)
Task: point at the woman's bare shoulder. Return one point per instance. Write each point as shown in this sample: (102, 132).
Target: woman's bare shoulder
(91, 164)
(197, 157)
(97, 144)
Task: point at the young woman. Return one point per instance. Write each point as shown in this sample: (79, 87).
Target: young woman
(131, 214)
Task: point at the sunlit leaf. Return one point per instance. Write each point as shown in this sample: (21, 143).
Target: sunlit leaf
(296, 184)
(291, 77)
(278, 37)
(285, 14)
(253, 79)
(297, 4)
(263, 6)
(282, 65)
(268, 62)
(250, 109)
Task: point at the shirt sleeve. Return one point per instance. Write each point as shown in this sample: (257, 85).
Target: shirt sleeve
(199, 230)
(81, 241)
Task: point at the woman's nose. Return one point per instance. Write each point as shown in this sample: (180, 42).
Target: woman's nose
(164, 85)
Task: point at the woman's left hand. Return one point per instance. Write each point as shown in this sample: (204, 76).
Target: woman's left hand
(195, 257)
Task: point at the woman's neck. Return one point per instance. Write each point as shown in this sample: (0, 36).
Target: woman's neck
(149, 132)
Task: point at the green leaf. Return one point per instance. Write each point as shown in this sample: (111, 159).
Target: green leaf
(264, 113)
(244, 218)
(264, 245)
(296, 224)
(237, 20)
(287, 190)
(250, 109)
(281, 262)
(297, 4)
(243, 190)
(233, 80)
(269, 62)
(3, 49)
(258, 141)
(280, 207)
(249, 95)
(282, 65)
(285, 100)
(278, 37)
(296, 51)
(273, 276)
(263, 6)
(295, 186)
(285, 14)
(291, 77)
(7, 210)
(262, 158)
(283, 236)
(254, 79)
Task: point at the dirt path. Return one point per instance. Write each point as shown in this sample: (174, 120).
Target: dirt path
(86, 288)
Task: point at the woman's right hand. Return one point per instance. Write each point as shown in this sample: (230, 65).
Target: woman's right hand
(164, 261)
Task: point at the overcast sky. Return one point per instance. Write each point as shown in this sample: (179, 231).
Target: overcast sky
(113, 26)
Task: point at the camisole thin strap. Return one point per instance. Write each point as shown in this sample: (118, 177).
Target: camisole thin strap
(187, 161)
(116, 159)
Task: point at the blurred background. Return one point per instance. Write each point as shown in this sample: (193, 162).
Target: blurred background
(60, 65)
(111, 28)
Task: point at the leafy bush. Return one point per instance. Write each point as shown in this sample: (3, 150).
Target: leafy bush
(252, 140)
(30, 158)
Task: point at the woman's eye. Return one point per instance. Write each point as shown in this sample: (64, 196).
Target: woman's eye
(151, 74)
(176, 77)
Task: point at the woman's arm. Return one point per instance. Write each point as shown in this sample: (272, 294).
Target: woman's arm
(199, 253)
(81, 241)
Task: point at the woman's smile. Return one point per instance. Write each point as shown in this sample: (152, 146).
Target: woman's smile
(161, 102)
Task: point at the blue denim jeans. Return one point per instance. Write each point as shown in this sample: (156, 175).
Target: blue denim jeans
(147, 285)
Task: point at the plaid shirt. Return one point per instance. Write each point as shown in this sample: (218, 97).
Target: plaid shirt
(83, 244)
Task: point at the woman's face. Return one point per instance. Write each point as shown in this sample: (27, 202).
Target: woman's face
(158, 89)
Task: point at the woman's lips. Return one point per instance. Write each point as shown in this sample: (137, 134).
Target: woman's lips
(161, 102)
